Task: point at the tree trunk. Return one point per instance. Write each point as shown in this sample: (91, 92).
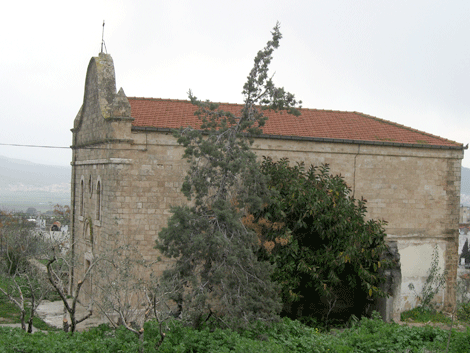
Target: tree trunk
(23, 325)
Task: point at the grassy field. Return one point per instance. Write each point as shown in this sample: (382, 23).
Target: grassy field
(10, 314)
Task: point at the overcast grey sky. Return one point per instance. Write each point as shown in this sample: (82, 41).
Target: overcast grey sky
(404, 61)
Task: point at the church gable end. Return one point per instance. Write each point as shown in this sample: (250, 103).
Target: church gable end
(105, 115)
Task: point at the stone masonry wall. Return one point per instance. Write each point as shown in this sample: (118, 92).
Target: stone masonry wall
(416, 190)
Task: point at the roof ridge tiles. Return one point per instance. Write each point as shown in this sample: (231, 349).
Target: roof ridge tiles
(160, 99)
(239, 104)
(178, 100)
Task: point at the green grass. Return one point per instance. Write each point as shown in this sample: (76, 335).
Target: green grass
(9, 313)
(366, 335)
(43, 261)
(421, 314)
(41, 325)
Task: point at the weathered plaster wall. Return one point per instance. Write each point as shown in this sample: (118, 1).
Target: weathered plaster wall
(416, 259)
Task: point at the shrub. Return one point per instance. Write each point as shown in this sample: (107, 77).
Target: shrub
(463, 312)
(327, 254)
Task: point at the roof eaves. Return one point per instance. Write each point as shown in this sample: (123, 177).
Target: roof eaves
(325, 139)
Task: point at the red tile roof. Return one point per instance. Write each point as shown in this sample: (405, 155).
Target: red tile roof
(312, 124)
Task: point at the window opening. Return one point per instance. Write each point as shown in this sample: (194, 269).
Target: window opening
(90, 186)
(81, 197)
(98, 200)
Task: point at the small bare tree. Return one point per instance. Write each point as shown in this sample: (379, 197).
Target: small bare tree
(128, 298)
(25, 284)
(58, 268)
(26, 290)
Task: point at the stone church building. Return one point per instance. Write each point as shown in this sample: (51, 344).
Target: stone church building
(127, 171)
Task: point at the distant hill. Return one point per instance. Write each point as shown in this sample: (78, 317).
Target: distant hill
(25, 184)
(20, 171)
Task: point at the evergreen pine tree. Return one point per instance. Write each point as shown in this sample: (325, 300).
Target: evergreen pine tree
(465, 253)
(216, 268)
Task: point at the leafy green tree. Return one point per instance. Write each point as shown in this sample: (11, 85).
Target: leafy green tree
(216, 264)
(62, 214)
(325, 251)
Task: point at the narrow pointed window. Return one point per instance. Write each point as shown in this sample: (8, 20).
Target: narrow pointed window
(82, 196)
(98, 200)
(90, 186)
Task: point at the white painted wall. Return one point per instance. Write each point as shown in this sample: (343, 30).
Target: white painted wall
(416, 259)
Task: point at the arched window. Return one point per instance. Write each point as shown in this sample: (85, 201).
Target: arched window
(90, 186)
(82, 196)
(98, 200)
